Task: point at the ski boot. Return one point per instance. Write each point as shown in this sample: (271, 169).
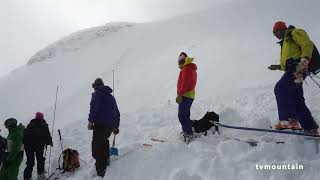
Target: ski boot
(187, 138)
(42, 176)
(294, 125)
(281, 125)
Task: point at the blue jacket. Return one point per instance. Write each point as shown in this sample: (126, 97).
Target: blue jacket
(103, 108)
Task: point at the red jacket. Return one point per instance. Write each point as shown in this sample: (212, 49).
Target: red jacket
(187, 80)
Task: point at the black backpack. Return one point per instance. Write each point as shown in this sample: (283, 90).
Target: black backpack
(314, 65)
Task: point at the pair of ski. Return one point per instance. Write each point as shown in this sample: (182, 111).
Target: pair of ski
(252, 143)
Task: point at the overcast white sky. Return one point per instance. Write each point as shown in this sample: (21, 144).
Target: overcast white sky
(29, 25)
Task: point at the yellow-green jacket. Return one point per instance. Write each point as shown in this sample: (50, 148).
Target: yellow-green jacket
(295, 45)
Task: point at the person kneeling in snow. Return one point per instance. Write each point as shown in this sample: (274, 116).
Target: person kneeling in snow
(104, 119)
(296, 52)
(186, 93)
(14, 151)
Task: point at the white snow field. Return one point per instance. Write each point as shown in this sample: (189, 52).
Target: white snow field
(232, 45)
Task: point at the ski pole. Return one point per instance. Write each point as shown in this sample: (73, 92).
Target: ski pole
(60, 140)
(311, 77)
(54, 117)
(113, 82)
(265, 130)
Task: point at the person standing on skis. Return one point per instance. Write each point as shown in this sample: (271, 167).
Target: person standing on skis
(296, 51)
(186, 93)
(104, 119)
(14, 151)
(37, 136)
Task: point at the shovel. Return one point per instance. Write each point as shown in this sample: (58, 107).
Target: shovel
(113, 150)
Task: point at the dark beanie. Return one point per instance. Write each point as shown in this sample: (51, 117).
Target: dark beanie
(98, 82)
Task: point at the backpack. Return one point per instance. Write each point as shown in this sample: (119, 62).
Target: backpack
(71, 160)
(3, 147)
(314, 64)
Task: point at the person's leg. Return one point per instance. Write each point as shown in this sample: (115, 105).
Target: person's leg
(40, 159)
(100, 148)
(4, 172)
(14, 167)
(282, 93)
(304, 115)
(30, 162)
(184, 115)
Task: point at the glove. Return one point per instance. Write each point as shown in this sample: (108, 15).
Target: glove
(179, 99)
(51, 144)
(303, 65)
(90, 125)
(115, 130)
(298, 77)
(274, 67)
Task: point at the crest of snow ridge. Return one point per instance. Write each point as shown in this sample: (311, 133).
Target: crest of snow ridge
(76, 41)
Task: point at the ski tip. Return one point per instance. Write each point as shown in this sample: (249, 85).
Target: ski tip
(147, 145)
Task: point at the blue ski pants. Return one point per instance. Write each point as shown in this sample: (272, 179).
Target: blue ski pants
(291, 103)
(184, 115)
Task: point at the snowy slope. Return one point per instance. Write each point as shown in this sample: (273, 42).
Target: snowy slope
(232, 46)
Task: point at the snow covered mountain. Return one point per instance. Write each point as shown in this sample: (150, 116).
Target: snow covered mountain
(232, 45)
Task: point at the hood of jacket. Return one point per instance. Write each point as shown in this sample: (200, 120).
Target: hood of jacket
(104, 90)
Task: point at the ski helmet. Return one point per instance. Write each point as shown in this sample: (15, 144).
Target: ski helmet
(279, 25)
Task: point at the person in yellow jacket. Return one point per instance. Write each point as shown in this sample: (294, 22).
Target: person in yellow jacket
(296, 51)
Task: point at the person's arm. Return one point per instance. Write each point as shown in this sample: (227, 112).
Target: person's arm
(185, 81)
(94, 107)
(48, 135)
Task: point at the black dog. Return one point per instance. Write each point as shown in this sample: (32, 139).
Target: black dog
(205, 123)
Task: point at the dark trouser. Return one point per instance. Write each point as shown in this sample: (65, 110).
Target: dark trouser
(291, 103)
(184, 115)
(31, 152)
(100, 148)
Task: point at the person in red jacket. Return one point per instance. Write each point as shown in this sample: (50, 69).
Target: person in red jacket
(186, 93)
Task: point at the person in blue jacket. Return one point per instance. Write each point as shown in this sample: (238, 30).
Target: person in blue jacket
(104, 119)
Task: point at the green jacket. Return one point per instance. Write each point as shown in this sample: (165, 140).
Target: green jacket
(295, 45)
(15, 143)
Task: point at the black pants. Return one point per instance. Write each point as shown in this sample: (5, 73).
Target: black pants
(31, 152)
(100, 148)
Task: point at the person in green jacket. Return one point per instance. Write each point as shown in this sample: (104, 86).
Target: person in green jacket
(14, 151)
